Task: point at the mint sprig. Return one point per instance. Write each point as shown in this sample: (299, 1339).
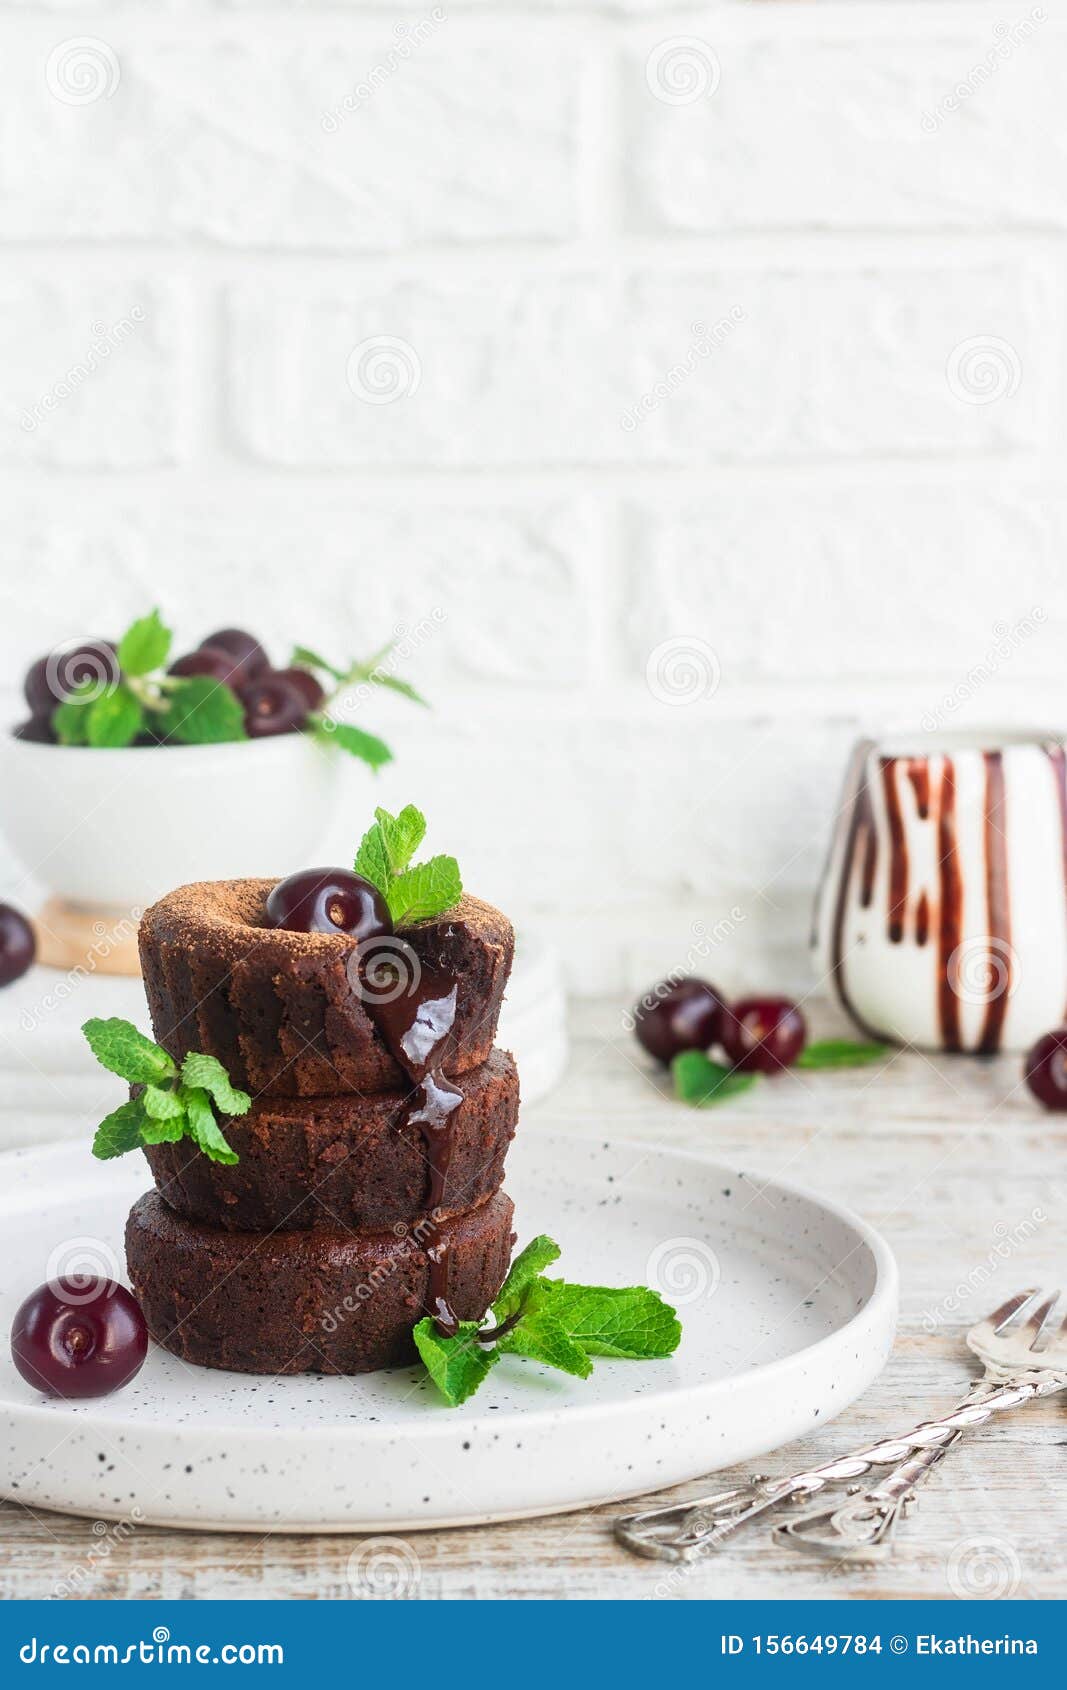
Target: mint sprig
(372, 671)
(383, 858)
(549, 1321)
(375, 671)
(172, 1104)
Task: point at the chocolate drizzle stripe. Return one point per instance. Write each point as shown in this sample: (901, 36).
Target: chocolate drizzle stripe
(919, 776)
(998, 902)
(922, 920)
(951, 908)
(898, 851)
(1058, 760)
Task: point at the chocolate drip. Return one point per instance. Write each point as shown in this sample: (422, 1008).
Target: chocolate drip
(919, 775)
(870, 856)
(998, 904)
(898, 851)
(444, 1316)
(922, 919)
(416, 1022)
(951, 912)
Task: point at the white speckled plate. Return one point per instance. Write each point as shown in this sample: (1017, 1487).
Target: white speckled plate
(788, 1305)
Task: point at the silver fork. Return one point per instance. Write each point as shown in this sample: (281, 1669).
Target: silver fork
(863, 1527)
(1016, 1371)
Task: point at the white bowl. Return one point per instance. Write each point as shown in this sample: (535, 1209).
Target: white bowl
(121, 827)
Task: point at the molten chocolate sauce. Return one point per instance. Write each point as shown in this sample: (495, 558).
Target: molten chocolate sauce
(417, 1026)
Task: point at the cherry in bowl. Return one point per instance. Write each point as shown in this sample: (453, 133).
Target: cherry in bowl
(763, 1035)
(329, 900)
(79, 1338)
(244, 648)
(273, 705)
(678, 1015)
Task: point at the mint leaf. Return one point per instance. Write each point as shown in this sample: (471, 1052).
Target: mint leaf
(204, 1130)
(207, 1073)
(162, 1104)
(144, 646)
(163, 1132)
(372, 859)
(625, 1321)
(202, 711)
(70, 720)
(114, 719)
(118, 1046)
(700, 1081)
(456, 1365)
(401, 835)
(374, 672)
(120, 1131)
(543, 1338)
(424, 891)
(840, 1053)
(395, 684)
(366, 746)
(304, 658)
(538, 1254)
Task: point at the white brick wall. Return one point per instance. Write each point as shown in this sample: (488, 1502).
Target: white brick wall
(696, 372)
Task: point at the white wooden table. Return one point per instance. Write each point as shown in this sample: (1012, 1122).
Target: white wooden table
(960, 1170)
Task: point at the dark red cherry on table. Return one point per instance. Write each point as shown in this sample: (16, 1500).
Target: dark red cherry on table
(251, 657)
(329, 900)
(213, 661)
(79, 1338)
(67, 669)
(1046, 1069)
(763, 1035)
(272, 706)
(676, 1016)
(18, 945)
(305, 683)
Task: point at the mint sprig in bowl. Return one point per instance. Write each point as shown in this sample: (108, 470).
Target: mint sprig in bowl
(137, 770)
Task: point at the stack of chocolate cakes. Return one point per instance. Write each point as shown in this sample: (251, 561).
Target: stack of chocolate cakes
(366, 1193)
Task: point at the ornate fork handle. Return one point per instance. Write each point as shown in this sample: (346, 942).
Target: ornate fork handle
(682, 1531)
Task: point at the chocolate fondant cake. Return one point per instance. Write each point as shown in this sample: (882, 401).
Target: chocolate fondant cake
(323, 1301)
(365, 1194)
(279, 1008)
(344, 1161)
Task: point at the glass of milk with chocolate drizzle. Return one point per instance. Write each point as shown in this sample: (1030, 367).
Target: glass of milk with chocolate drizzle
(941, 919)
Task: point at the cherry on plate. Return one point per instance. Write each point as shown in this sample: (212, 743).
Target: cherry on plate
(251, 658)
(763, 1035)
(1046, 1069)
(78, 1338)
(18, 944)
(272, 706)
(329, 900)
(676, 1016)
